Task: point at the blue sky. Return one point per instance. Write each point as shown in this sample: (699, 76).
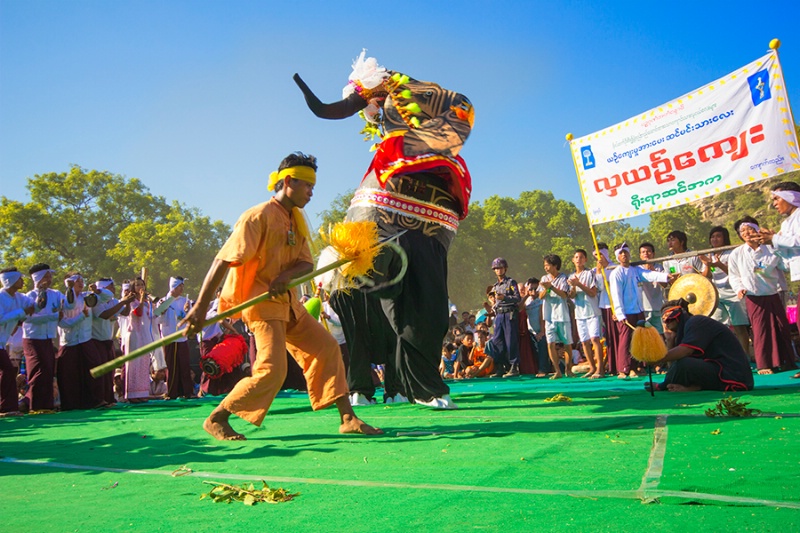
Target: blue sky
(196, 98)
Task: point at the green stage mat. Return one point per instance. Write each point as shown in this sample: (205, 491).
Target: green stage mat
(612, 459)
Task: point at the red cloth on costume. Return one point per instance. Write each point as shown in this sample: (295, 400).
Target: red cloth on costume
(389, 160)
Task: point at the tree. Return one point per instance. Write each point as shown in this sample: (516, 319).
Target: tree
(522, 230)
(335, 213)
(686, 218)
(184, 242)
(75, 221)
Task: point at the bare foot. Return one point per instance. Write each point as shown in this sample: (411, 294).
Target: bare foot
(674, 387)
(570, 374)
(765, 371)
(11, 413)
(796, 376)
(541, 375)
(559, 375)
(622, 375)
(352, 424)
(596, 376)
(217, 426)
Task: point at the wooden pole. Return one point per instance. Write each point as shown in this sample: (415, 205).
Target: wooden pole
(684, 255)
(105, 368)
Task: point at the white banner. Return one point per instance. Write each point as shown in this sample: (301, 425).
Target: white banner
(734, 131)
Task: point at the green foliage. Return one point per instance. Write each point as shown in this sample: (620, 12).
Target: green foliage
(522, 230)
(247, 493)
(732, 407)
(103, 224)
(686, 218)
(335, 213)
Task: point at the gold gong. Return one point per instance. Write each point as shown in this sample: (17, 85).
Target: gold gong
(698, 290)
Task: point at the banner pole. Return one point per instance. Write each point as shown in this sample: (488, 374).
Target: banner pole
(774, 44)
(588, 220)
(569, 138)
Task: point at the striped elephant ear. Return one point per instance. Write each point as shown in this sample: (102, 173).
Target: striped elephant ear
(434, 119)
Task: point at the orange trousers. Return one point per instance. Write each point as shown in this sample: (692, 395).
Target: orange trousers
(314, 349)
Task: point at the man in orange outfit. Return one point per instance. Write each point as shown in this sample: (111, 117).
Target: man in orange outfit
(267, 249)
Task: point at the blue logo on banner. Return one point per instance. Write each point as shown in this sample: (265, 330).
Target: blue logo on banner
(759, 87)
(588, 157)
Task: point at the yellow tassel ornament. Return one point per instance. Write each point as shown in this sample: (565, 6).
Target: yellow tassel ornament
(647, 345)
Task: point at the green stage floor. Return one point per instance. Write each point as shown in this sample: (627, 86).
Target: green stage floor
(613, 459)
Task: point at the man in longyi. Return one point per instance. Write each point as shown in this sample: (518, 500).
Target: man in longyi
(267, 249)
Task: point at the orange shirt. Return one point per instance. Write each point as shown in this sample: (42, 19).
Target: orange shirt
(478, 356)
(258, 251)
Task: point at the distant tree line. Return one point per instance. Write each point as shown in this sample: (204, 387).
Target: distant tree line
(104, 224)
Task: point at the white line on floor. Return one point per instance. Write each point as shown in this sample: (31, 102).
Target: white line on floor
(623, 494)
(655, 465)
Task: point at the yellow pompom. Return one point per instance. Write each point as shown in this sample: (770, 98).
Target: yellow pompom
(569, 137)
(647, 345)
(357, 241)
(774, 44)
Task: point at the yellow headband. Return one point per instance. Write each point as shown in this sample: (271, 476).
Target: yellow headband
(299, 173)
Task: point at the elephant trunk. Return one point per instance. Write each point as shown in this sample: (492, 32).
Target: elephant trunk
(337, 110)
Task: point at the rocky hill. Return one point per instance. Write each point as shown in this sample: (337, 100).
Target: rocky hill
(724, 209)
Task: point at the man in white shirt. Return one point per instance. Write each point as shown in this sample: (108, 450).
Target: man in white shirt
(14, 308)
(104, 316)
(624, 284)
(78, 354)
(753, 274)
(583, 292)
(730, 311)
(39, 332)
(786, 243)
(554, 291)
(172, 309)
(678, 244)
(651, 294)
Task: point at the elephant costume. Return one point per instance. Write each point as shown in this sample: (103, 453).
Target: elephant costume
(416, 183)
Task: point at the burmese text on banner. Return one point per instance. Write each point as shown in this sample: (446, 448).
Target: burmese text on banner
(731, 132)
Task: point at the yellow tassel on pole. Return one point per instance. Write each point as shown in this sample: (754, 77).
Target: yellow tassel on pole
(647, 345)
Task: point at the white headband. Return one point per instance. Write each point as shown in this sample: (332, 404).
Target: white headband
(748, 225)
(104, 284)
(793, 197)
(623, 248)
(39, 276)
(10, 278)
(126, 286)
(74, 278)
(175, 283)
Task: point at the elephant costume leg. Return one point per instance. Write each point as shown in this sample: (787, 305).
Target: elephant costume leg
(419, 318)
(370, 340)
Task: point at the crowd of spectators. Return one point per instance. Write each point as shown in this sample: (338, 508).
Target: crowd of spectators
(583, 319)
(569, 320)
